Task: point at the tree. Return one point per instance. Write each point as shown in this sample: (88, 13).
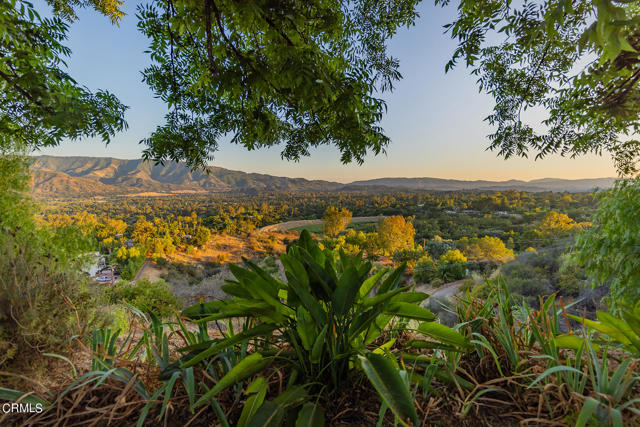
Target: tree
(485, 248)
(302, 73)
(578, 60)
(453, 257)
(452, 266)
(556, 224)
(200, 237)
(40, 104)
(335, 220)
(395, 233)
(609, 249)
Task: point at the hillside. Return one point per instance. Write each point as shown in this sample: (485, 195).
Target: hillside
(101, 176)
(80, 176)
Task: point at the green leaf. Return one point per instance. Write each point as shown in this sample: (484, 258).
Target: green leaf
(554, 370)
(393, 279)
(258, 391)
(15, 395)
(443, 334)
(588, 408)
(410, 311)
(260, 330)
(386, 379)
(370, 283)
(271, 413)
(318, 345)
(572, 342)
(311, 415)
(247, 367)
(346, 291)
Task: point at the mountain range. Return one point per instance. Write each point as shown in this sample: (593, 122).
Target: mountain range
(106, 176)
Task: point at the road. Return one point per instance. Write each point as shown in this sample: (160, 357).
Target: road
(447, 290)
(288, 225)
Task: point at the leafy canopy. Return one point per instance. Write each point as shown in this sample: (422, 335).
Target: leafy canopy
(302, 73)
(578, 60)
(40, 104)
(609, 249)
(336, 221)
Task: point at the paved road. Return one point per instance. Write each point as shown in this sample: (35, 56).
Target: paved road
(284, 226)
(448, 290)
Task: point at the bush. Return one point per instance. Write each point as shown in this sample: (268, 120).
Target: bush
(425, 270)
(42, 301)
(150, 297)
(452, 272)
(438, 247)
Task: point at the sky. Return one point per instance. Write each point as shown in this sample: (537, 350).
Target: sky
(435, 120)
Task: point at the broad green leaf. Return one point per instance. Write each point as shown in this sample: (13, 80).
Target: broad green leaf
(443, 334)
(386, 379)
(346, 291)
(244, 369)
(270, 414)
(318, 345)
(572, 342)
(311, 415)
(408, 310)
(260, 330)
(258, 391)
(393, 279)
(370, 283)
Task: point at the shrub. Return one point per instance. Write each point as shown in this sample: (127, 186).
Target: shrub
(130, 267)
(452, 257)
(438, 247)
(150, 297)
(410, 256)
(42, 301)
(425, 270)
(452, 272)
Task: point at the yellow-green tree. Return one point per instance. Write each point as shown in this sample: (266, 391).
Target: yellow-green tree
(485, 248)
(559, 224)
(335, 220)
(396, 233)
(453, 257)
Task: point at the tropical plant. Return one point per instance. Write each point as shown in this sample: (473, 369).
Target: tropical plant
(322, 322)
(326, 312)
(623, 329)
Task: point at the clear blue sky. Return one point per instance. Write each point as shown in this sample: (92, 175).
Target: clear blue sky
(434, 120)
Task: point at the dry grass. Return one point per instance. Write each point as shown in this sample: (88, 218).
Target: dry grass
(225, 248)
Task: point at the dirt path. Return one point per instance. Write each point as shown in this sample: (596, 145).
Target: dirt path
(151, 272)
(288, 225)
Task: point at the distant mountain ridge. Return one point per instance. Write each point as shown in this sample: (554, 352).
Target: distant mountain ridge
(536, 185)
(54, 176)
(77, 176)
